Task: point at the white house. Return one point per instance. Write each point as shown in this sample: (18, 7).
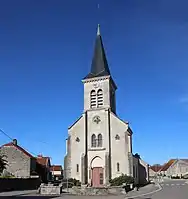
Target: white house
(178, 168)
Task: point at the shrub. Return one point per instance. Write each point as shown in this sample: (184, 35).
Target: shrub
(118, 181)
(7, 174)
(71, 182)
(3, 163)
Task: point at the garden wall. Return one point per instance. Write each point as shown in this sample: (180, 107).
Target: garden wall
(9, 184)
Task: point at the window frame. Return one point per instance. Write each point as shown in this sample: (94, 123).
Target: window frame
(93, 141)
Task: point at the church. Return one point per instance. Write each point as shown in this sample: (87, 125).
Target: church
(99, 143)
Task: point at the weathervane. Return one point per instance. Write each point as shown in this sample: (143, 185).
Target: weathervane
(98, 27)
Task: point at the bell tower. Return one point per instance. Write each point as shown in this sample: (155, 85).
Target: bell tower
(99, 87)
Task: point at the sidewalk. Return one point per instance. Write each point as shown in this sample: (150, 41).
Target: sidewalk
(148, 189)
(17, 193)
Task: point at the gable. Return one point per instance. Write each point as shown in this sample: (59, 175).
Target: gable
(116, 121)
(44, 161)
(75, 122)
(182, 162)
(18, 148)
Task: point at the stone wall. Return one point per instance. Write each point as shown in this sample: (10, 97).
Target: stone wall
(91, 191)
(50, 189)
(19, 164)
(19, 184)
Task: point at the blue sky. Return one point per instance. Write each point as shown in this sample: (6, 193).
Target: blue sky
(46, 49)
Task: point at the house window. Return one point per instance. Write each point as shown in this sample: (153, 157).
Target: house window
(77, 168)
(99, 140)
(99, 98)
(93, 100)
(118, 167)
(93, 141)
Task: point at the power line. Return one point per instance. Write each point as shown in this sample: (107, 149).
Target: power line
(5, 134)
(34, 154)
(13, 139)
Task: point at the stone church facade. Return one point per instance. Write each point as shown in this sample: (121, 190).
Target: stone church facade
(99, 143)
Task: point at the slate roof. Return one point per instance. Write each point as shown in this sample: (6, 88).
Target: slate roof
(99, 66)
(11, 144)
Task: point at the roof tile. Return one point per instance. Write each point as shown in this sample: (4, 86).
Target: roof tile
(168, 164)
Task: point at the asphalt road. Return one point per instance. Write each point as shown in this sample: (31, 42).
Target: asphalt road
(171, 189)
(174, 189)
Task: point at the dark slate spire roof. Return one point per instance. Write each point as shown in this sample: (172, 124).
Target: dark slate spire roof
(99, 66)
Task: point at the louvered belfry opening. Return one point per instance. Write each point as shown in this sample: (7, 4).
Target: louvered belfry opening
(99, 98)
(93, 97)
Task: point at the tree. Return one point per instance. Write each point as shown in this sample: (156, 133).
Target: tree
(3, 163)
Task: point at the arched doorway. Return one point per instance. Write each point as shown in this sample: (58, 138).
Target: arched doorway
(97, 172)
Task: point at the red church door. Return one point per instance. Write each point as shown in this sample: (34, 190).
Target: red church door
(97, 177)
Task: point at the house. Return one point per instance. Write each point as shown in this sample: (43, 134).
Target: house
(164, 169)
(178, 167)
(57, 172)
(43, 165)
(140, 170)
(20, 163)
(154, 170)
(99, 143)
(143, 171)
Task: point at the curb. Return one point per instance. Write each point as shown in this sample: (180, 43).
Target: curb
(145, 194)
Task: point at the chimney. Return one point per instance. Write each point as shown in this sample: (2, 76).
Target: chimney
(15, 141)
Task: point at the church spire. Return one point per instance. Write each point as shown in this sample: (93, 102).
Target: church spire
(98, 30)
(99, 66)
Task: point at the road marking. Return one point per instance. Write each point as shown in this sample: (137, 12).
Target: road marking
(173, 184)
(145, 194)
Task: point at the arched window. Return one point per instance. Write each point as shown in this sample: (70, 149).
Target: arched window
(99, 140)
(118, 167)
(93, 100)
(93, 141)
(99, 98)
